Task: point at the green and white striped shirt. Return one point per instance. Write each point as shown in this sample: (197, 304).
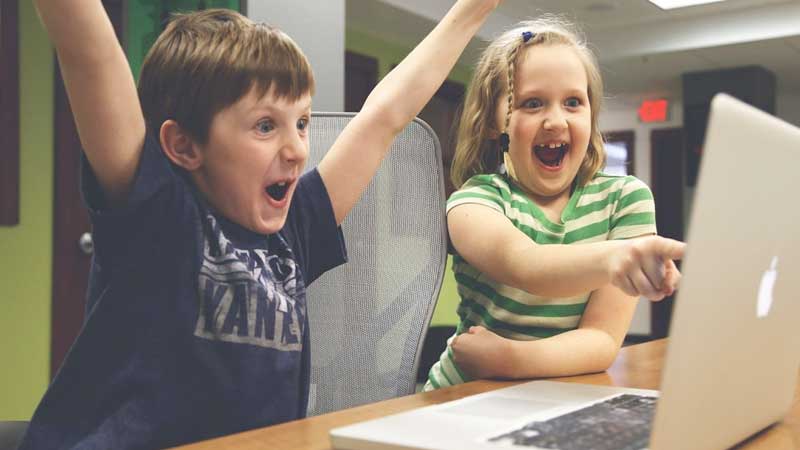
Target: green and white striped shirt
(607, 207)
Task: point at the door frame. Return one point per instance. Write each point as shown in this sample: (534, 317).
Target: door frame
(667, 180)
(9, 113)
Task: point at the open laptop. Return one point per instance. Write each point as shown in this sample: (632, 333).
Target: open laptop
(734, 346)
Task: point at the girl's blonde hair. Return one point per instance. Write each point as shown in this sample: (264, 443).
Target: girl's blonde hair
(477, 149)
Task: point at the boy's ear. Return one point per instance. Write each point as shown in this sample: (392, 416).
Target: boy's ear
(179, 146)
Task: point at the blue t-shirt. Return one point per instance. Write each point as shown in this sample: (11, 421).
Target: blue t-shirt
(196, 327)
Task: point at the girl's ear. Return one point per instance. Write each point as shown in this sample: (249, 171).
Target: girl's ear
(179, 146)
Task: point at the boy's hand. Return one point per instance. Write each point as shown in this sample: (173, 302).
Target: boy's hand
(482, 354)
(645, 266)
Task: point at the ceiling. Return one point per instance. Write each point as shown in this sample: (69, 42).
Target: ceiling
(642, 49)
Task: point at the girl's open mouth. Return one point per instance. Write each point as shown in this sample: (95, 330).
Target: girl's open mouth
(551, 155)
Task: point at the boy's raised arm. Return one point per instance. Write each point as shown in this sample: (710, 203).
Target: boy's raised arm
(356, 155)
(101, 90)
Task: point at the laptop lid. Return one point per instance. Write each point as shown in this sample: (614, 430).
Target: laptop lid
(734, 345)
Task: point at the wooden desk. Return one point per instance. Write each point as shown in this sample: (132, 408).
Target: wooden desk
(637, 366)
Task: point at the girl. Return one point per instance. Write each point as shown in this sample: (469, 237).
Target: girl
(547, 269)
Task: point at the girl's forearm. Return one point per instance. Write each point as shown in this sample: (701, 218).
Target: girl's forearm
(575, 352)
(562, 270)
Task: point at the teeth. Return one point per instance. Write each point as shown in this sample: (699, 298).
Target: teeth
(552, 146)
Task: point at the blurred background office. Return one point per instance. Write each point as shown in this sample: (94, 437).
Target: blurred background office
(661, 67)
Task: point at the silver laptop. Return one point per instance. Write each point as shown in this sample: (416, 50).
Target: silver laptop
(734, 346)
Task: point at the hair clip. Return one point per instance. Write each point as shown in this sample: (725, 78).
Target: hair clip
(504, 141)
(527, 36)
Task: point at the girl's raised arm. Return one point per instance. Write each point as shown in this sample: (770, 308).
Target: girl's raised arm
(356, 155)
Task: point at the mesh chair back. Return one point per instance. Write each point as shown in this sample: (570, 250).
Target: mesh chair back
(368, 318)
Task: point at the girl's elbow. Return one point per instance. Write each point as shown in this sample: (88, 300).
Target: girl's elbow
(608, 356)
(384, 116)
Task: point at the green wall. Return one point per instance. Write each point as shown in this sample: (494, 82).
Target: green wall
(389, 54)
(144, 19)
(26, 255)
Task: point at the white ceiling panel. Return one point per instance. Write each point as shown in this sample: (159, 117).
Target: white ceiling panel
(598, 15)
(643, 50)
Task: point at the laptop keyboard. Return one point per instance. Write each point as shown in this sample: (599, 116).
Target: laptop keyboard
(619, 423)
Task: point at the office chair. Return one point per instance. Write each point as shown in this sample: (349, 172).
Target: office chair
(368, 317)
(11, 433)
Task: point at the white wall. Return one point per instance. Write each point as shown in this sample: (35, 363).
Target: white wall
(318, 28)
(618, 116)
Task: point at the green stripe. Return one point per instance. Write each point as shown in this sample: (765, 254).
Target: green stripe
(587, 232)
(531, 209)
(633, 197)
(537, 236)
(465, 323)
(642, 218)
(496, 324)
(600, 187)
(516, 307)
(505, 193)
(432, 379)
(444, 374)
(589, 208)
(481, 179)
(455, 366)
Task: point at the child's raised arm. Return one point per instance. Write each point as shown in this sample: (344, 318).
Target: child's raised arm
(356, 155)
(101, 90)
(489, 241)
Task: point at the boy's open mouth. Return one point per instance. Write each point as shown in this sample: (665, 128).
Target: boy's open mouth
(277, 191)
(551, 155)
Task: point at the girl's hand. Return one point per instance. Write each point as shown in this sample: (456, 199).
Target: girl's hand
(483, 354)
(645, 266)
(479, 5)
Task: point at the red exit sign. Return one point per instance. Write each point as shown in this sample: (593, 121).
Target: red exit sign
(654, 111)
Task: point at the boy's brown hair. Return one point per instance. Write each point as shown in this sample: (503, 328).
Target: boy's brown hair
(205, 61)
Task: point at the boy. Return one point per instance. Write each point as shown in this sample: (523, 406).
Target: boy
(206, 233)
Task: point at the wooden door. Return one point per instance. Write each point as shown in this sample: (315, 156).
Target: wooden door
(9, 113)
(360, 77)
(440, 113)
(71, 228)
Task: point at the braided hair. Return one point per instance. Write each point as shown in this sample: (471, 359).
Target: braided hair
(505, 140)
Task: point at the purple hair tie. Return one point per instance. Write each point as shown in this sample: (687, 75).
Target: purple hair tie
(527, 36)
